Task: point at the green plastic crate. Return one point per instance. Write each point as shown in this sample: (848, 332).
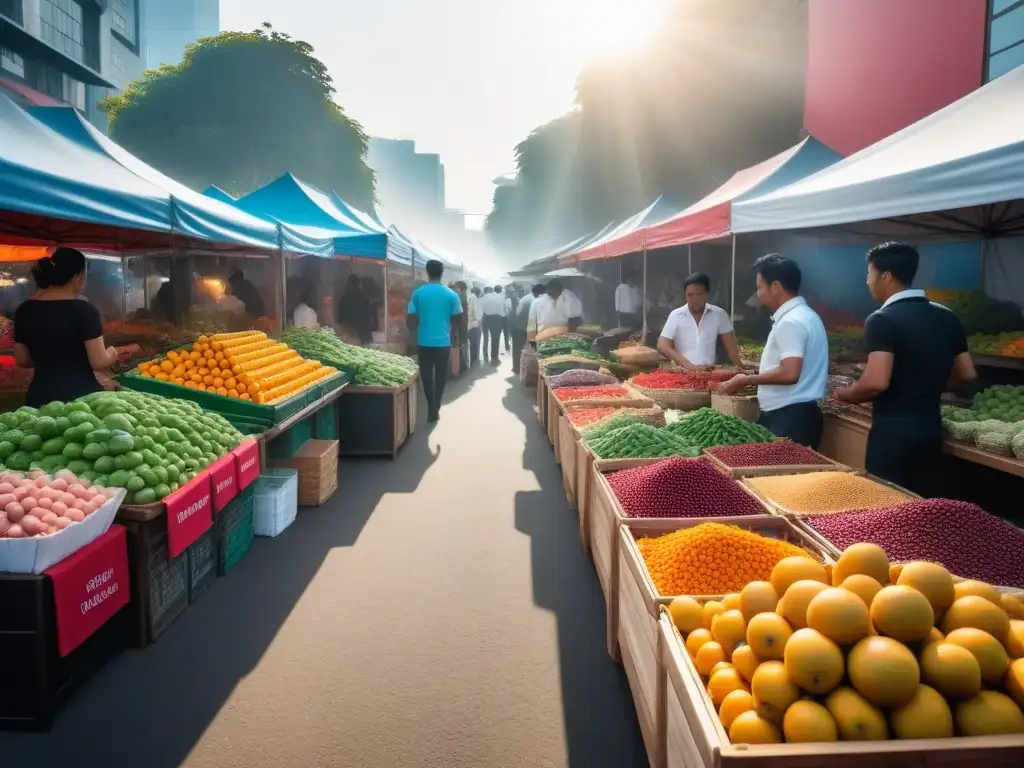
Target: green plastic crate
(325, 424)
(234, 527)
(287, 444)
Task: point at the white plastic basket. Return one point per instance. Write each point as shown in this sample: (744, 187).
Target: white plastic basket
(277, 501)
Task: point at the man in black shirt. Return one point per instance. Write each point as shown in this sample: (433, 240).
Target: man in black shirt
(916, 351)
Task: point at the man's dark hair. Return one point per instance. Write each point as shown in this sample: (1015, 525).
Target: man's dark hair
(497, 289)
(488, 289)
(697, 278)
(539, 289)
(555, 285)
(475, 291)
(898, 259)
(775, 268)
(435, 269)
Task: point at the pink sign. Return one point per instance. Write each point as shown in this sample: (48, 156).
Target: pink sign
(224, 479)
(247, 457)
(189, 513)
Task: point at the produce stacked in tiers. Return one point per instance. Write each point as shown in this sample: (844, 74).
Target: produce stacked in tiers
(994, 422)
(586, 418)
(867, 652)
(1009, 344)
(566, 345)
(825, 492)
(963, 537)
(38, 504)
(680, 488)
(707, 427)
(246, 366)
(777, 454)
(372, 368)
(697, 381)
(638, 440)
(980, 314)
(146, 444)
(601, 392)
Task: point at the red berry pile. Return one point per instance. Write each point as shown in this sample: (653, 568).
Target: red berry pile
(766, 455)
(701, 381)
(678, 487)
(964, 538)
(584, 417)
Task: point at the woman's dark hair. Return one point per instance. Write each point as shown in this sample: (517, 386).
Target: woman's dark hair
(58, 269)
(697, 278)
(774, 268)
(898, 259)
(353, 284)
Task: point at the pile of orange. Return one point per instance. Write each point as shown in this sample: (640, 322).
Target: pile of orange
(246, 366)
(857, 652)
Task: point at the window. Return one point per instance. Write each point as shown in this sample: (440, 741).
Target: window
(12, 10)
(117, 59)
(1005, 37)
(124, 21)
(12, 62)
(63, 27)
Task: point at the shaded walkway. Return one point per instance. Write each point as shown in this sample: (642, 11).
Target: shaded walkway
(437, 612)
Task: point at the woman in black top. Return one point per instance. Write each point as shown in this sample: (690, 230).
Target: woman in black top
(59, 334)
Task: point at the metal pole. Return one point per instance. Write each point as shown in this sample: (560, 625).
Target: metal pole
(732, 297)
(386, 312)
(689, 259)
(283, 294)
(125, 287)
(644, 331)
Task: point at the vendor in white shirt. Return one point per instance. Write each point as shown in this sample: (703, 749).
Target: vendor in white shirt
(492, 305)
(691, 333)
(794, 364)
(629, 302)
(556, 308)
(474, 316)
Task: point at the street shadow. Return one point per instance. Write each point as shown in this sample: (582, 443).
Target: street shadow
(150, 708)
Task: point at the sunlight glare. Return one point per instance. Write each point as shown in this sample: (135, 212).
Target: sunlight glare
(618, 28)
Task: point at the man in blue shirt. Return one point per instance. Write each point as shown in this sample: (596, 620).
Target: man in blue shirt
(434, 311)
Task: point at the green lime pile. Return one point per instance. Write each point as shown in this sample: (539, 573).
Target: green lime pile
(147, 444)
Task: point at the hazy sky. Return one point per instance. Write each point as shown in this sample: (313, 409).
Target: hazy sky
(467, 79)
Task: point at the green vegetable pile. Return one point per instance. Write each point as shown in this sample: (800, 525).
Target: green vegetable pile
(621, 419)
(566, 345)
(1002, 401)
(707, 427)
(147, 444)
(372, 368)
(638, 440)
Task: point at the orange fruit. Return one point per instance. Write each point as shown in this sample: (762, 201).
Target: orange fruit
(719, 667)
(163, 377)
(951, 669)
(696, 639)
(166, 366)
(731, 601)
(978, 589)
(989, 714)
(1013, 606)
(686, 614)
(902, 613)
(724, 682)
(991, 656)
(711, 607)
(931, 580)
(934, 636)
(883, 671)
(773, 691)
(1015, 639)
(745, 661)
(707, 656)
(758, 597)
(866, 559)
(839, 615)
(808, 721)
(1014, 681)
(857, 719)
(767, 634)
(925, 716)
(729, 629)
(813, 661)
(790, 570)
(793, 605)
(975, 611)
(734, 704)
(750, 728)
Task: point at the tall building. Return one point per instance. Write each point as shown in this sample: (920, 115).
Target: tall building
(173, 25)
(410, 184)
(70, 51)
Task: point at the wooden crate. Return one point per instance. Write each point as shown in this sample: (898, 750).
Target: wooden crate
(376, 421)
(317, 464)
(692, 736)
(551, 421)
(568, 436)
(584, 463)
(791, 469)
(639, 603)
(845, 439)
(542, 399)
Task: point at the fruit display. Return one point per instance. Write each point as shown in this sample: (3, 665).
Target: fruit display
(696, 381)
(776, 454)
(825, 492)
(1009, 344)
(38, 504)
(246, 366)
(146, 444)
(639, 440)
(802, 655)
(569, 394)
(622, 417)
(994, 422)
(580, 377)
(750, 349)
(679, 487)
(980, 313)
(588, 417)
(707, 427)
(564, 345)
(962, 537)
(713, 559)
(1003, 402)
(372, 368)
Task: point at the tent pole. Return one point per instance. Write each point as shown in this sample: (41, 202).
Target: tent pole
(125, 285)
(732, 295)
(689, 259)
(283, 294)
(386, 293)
(644, 329)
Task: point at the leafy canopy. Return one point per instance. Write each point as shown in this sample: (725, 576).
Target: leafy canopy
(241, 109)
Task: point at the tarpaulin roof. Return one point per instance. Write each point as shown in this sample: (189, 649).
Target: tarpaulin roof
(627, 237)
(293, 202)
(219, 194)
(965, 161)
(193, 214)
(711, 217)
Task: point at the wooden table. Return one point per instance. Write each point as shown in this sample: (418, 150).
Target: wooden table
(294, 419)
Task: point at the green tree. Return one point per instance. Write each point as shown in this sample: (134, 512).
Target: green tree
(241, 109)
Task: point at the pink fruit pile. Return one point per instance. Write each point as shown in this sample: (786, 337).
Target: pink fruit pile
(37, 504)
(964, 538)
(678, 487)
(766, 455)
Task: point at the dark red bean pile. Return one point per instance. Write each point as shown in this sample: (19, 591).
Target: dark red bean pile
(963, 537)
(766, 455)
(678, 487)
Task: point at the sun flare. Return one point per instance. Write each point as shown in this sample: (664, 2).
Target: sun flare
(618, 28)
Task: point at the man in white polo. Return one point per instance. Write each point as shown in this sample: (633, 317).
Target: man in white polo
(794, 364)
(691, 333)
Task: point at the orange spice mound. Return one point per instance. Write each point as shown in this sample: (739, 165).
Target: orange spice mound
(711, 559)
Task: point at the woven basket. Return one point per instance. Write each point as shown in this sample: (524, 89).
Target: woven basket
(676, 399)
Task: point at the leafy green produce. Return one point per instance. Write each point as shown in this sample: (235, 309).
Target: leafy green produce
(372, 367)
(1003, 402)
(707, 427)
(566, 345)
(639, 440)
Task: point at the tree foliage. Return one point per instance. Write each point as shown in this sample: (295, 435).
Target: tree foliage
(241, 109)
(719, 89)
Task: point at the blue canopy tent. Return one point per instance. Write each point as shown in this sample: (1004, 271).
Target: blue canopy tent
(219, 194)
(627, 237)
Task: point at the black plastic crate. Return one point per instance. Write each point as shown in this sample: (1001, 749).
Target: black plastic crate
(159, 584)
(202, 565)
(234, 530)
(38, 682)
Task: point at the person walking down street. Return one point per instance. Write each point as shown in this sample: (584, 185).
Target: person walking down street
(794, 364)
(473, 324)
(461, 289)
(484, 334)
(434, 311)
(506, 318)
(916, 351)
(521, 322)
(493, 308)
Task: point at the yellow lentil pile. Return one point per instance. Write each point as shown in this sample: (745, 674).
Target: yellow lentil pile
(711, 559)
(824, 492)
